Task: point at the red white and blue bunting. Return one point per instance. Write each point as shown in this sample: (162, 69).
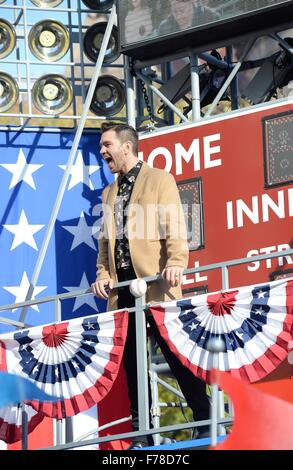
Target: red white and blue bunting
(77, 360)
(255, 324)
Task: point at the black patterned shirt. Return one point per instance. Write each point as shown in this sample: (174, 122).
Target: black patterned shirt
(125, 185)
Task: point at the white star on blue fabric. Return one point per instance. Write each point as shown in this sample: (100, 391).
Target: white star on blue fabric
(83, 299)
(23, 232)
(82, 233)
(21, 171)
(21, 291)
(258, 312)
(261, 294)
(80, 173)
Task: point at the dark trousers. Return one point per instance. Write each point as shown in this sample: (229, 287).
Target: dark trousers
(193, 389)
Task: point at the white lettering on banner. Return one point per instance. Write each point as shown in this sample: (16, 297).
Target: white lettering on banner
(188, 154)
(260, 209)
(166, 154)
(255, 265)
(191, 278)
(209, 150)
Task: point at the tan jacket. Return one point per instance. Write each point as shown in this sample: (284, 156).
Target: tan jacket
(156, 232)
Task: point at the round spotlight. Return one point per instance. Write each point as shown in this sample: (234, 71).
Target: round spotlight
(7, 38)
(8, 92)
(49, 40)
(109, 96)
(93, 40)
(46, 3)
(99, 5)
(52, 94)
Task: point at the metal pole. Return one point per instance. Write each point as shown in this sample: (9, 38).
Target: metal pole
(142, 368)
(234, 83)
(225, 277)
(214, 408)
(59, 432)
(130, 96)
(68, 430)
(195, 87)
(215, 346)
(24, 427)
(58, 316)
(155, 393)
(166, 74)
(71, 157)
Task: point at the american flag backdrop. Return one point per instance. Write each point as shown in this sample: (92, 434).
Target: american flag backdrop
(31, 168)
(32, 165)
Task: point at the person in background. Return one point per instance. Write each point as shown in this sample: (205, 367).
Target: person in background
(138, 21)
(151, 241)
(185, 14)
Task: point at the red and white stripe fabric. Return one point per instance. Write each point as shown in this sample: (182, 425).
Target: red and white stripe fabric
(77, 360)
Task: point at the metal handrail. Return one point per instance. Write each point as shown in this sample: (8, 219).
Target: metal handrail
(208, 267)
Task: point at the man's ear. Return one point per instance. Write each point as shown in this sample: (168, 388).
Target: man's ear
(128, 146)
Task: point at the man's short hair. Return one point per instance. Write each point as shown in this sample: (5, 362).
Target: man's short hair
(124, 132)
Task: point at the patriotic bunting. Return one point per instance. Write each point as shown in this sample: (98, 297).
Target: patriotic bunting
(77, 360)
(11, 422)
(255, 324)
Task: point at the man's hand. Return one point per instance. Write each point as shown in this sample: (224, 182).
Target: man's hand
(101, 288)
(173, 275)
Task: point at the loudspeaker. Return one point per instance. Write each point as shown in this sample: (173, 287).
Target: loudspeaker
(52, 94)
(8, 92)
(46, 3)
(49, 40)
(109, 96)
(93, 40)
(102, 6)
(7, 38)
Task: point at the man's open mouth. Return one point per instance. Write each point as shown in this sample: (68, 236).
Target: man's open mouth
(108, 159)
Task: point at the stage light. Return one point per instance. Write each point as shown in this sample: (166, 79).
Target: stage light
(8, 92)
(46, 3)
(2, 1)
(52, 94)
(93, 40)
(275, 72)
(109, 96)
(102, 6)
(49, 40)
(7, 38)
(211, 79)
